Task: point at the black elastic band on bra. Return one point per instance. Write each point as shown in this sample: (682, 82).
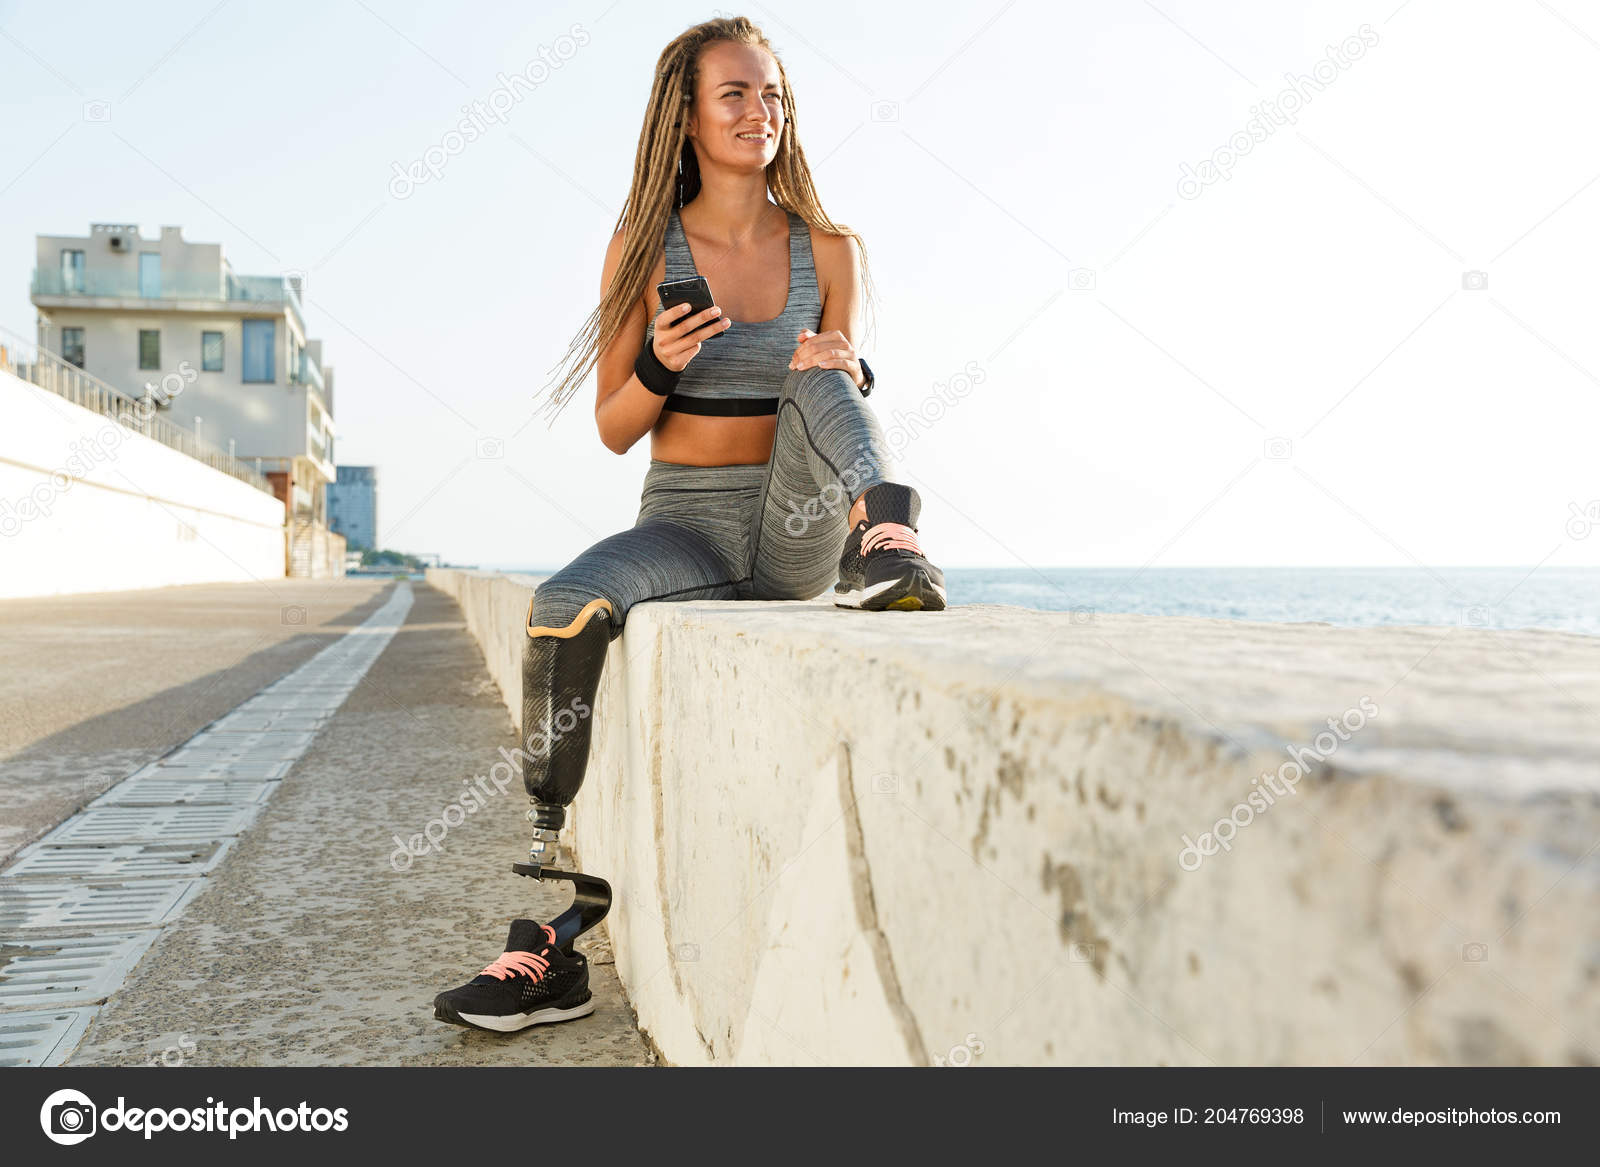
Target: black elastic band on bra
(722, 406)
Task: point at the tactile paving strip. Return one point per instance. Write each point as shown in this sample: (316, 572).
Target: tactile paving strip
(161, 824)
(73, 970)
(43, 1038)
(120, 860)
(91, 903)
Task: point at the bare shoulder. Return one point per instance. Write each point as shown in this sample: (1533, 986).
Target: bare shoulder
(837, 259)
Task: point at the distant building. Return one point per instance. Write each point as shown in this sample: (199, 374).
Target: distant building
(353, 506)
(224, 355)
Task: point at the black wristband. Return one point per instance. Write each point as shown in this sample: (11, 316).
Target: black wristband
(652, 374)
(866, 371)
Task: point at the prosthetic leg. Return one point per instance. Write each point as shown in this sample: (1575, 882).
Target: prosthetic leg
(560, 675)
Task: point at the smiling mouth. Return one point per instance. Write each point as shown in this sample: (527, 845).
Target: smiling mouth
(758, 137)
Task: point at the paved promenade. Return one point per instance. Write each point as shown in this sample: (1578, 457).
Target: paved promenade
(302, 944)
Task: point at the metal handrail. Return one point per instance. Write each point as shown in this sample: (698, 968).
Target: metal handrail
(49, 371)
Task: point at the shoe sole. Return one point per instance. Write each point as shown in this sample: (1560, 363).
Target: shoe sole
(512, 1022)
(913, 592)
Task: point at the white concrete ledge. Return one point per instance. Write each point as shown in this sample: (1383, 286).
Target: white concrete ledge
(87, 505)
(843, 837)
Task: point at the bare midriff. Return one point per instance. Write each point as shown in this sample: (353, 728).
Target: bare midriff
(693, 439)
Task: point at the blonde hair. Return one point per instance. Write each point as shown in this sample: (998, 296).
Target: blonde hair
(666, 175)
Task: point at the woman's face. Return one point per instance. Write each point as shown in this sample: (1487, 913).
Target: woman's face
(737, 115)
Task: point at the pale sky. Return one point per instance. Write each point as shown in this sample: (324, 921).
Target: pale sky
(1147, 358)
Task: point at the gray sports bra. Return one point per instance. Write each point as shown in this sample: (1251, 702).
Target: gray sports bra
(740, 373)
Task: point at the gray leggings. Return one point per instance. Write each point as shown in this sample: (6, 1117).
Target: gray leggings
(762, 531)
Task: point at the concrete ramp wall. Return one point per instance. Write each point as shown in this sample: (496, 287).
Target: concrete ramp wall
(995, 836)
(87, 505)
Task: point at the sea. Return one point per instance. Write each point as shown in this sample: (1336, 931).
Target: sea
(1564, 598)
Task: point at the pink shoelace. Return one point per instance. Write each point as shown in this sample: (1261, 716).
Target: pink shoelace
(890, 535)
(511, 963)
(531, 963)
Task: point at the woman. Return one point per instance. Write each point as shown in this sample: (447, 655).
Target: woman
(759, 432)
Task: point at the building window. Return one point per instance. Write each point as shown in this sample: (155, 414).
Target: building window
(260, 341)
(149, 348)
(150, 275)
(211, 352)
(72, 346)
(71, 271)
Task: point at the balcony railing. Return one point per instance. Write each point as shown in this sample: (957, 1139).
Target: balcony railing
(48, 371)
(307, 374)
(125, 285)
(267, 289)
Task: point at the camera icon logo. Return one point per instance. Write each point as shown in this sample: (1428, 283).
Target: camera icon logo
(1277, 449)
(1081, 616)
(1475, 617)
(491, 448)
(686, 953)
(885, 783)
(292, 614)
(1081, 279)
(1081, 954)
(1583, 520)
(1474, 281)
(1475, 953)
(885, 111)
(68, 1117)
(97, 111)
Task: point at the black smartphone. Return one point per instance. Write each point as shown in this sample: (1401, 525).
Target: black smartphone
(694, 292)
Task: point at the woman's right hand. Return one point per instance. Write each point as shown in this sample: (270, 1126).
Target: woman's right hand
(675, 346)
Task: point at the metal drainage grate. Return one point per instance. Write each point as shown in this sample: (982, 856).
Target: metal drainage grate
(286, 703)
(267, 743)
(244, 721)
(156, 790)
(91, 903)
(42, 1039)
(120, 860)
(243, 770)
(142, 824)
(75, 970)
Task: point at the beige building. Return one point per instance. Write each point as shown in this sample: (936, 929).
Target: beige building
(224, 355)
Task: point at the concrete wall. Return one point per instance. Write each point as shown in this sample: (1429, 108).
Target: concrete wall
(897, 838)
(87, 505)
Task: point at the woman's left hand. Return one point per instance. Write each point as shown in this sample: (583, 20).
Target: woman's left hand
(828, 350)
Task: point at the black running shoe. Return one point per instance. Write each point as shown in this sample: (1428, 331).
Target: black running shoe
(883, 566)
(533, 983)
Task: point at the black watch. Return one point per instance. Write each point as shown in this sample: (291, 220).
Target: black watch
(866, 371)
